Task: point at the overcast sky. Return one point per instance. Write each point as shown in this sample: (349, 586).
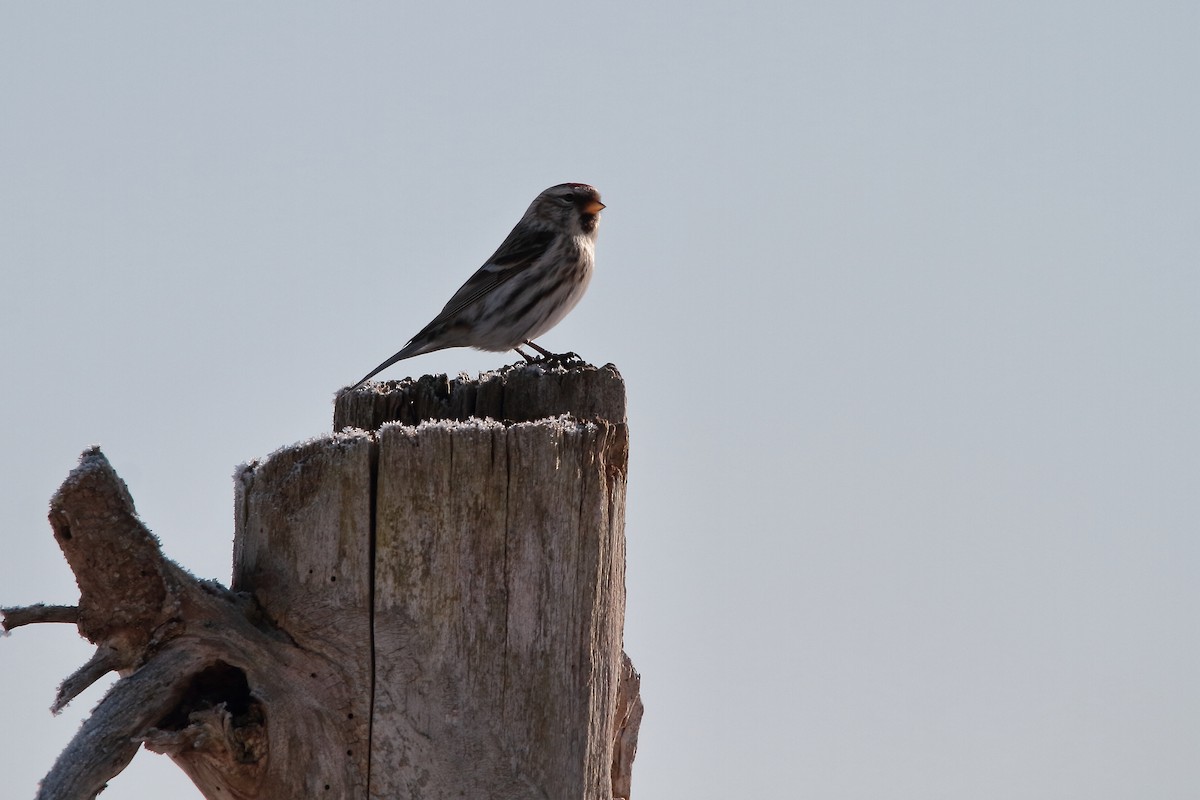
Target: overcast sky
(905, 295)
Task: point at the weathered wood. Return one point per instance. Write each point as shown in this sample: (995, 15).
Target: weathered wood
(38, 614)
(109, 738)
(430, 610)
(499, 609)
(302, 548)
(247, 710)
(127, 590)
(628, 720)
(516, 393)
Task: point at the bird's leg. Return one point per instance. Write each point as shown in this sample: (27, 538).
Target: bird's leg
(545, 353)
(560, 358)
(525, 355)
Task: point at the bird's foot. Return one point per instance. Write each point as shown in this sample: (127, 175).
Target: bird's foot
(555, 359)
(568, 359)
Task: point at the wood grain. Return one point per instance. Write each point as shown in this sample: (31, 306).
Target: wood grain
(429, 604)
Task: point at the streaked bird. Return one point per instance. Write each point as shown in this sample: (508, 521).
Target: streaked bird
(537, 275)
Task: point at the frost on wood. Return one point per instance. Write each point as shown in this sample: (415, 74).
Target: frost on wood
(518, 393)
(425, 610)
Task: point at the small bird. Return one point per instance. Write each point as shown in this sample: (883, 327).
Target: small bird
(528, 285)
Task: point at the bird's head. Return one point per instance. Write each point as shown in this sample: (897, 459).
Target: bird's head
(570, 207)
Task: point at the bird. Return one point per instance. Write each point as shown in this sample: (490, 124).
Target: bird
(536, 276)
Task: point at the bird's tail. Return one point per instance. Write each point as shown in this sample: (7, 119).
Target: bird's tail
(418, 346)
(409, 350)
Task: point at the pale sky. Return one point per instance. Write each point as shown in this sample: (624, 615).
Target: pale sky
(905, 295)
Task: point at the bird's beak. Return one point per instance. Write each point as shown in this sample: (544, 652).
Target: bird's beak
(593, 207)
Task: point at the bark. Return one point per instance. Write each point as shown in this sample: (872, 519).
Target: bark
(428, 608)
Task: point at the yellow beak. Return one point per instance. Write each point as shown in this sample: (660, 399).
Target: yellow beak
(593, 207)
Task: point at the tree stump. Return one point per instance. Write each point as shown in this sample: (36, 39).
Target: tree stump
(428, 603)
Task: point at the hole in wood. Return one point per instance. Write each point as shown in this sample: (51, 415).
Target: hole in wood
(218, 685)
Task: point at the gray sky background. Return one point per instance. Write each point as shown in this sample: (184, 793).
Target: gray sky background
(906, 297)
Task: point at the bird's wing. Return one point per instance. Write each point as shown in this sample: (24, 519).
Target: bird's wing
(519, 251)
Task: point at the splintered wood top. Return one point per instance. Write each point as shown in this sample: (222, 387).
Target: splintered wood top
(516, 393)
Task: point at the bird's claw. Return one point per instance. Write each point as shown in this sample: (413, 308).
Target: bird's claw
(569, 358)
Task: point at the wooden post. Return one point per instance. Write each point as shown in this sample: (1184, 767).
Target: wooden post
(428, 603)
